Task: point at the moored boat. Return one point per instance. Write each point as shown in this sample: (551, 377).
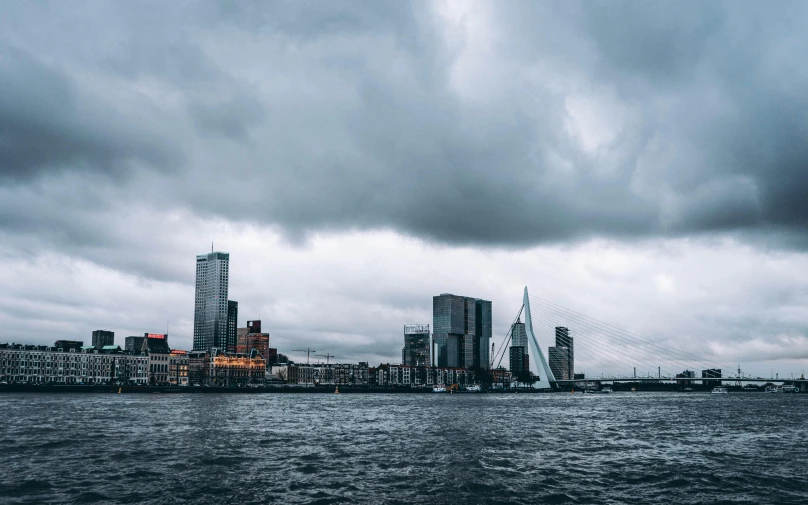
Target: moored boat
(719, 390)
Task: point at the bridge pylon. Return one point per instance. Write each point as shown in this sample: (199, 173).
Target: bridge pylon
(546, 377)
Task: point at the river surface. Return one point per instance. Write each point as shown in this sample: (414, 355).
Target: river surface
(399, 448)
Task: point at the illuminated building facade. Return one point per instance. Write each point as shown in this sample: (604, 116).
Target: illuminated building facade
(178, 368)
(233, 369)
(211, 306)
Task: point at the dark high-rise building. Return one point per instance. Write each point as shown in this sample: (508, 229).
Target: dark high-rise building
(102, 338)
(232, 325)
(416, 350)
(483, 332)
(519, 356)
(210, 302)
(134, 344)
(518, 360)
(712, 373)
(565, 341)
(461, 328)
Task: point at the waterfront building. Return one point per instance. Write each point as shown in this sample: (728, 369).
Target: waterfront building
(518, 353)
(178, 368)
(388, 375)
(103, 338)
(462, 329)
(234, 369)
(211, 307)
(134, 344)
(198, 367)
(36, 364)
(417, 344)
(251, 337)
(323, 374)
(502, 378)
(155, 345)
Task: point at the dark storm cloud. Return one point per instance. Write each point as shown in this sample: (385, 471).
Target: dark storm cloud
(507, 124)
(47, 125)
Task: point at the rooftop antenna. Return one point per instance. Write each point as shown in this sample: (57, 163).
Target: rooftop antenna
(211, 246)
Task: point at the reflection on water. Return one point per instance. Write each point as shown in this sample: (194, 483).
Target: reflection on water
(308, 448)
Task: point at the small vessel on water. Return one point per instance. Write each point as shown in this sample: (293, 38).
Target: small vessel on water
(439, 389)
(719, 390)
(782, 389)
(474, 389)
(605, 390)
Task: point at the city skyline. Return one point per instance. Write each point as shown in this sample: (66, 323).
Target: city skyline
(362, 159)
(547, 338)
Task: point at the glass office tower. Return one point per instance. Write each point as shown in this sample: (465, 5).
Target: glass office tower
(211, 307)
(461, 327)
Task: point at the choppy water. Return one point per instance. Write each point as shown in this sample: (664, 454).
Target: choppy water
(555, 448)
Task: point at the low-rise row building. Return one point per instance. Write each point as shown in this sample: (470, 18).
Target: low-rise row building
(39, 364)
(385, 375)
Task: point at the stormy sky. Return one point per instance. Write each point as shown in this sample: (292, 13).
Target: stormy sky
(644, 163)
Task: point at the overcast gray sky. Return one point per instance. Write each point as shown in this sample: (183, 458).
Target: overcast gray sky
(645, 163)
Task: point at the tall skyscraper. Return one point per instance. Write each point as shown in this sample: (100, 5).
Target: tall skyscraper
(102, 338)
(232, 325)
(416, 350)
(562, 356)
(461, 327)
(563, 339)
(211, 307)
(483, 331)
(519, 356)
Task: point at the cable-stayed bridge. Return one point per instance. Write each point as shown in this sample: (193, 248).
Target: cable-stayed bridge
(605, 353)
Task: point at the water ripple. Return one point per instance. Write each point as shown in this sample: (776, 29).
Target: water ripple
(407, 449)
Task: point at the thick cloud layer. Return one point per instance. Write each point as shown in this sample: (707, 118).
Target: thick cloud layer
(506, 124)
(131, 134)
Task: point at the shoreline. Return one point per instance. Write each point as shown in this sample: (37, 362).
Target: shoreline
(106, 389)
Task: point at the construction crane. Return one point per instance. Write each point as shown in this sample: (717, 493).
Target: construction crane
(307, 350)
(327, 356)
